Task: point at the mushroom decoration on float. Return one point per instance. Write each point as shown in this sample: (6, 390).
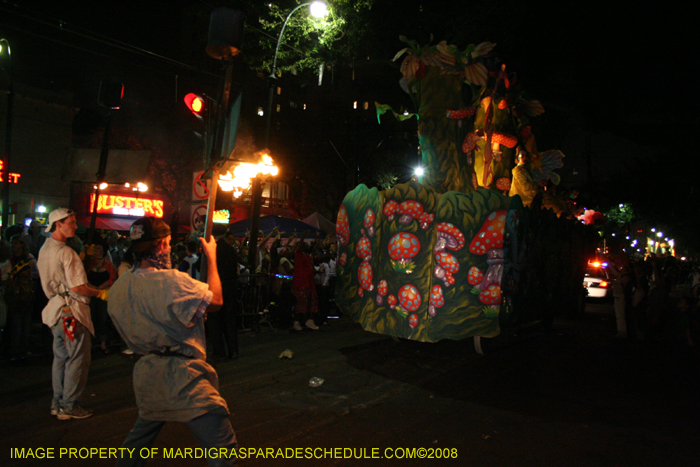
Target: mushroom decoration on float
(369, 222)
(448, 236)
(469, 145)
(489, 241)
(363, 248)
(391, 300)
(343, 259)
(390, 208)
(437, 299)
(508, 141)
(342, 226)
(491, 297)
(409, 299)
(503, 184)
(475, 276)
(459, 114)
(364, 277)
(470, 139)
(413, 320)
(447, 266)
(409, 210)
(382, 290)
(425, 220)
(403, 246)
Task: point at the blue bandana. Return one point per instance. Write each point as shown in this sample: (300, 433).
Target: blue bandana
(160, 261)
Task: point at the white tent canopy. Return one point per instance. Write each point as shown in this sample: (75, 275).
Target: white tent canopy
(321, 223)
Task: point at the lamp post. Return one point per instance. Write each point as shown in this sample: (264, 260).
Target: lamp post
(5, 46)
(110, 97)
(317, 9)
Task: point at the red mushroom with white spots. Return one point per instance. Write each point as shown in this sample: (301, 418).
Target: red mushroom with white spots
(391, 300)
(447, 266)
(390, 208)
(469, 146)
(437, 299)
(368, 222)
(363, 248)
(403, 246)
(508, 141)
(489, 241)
(503, 184)
(409, 299)
(409, 210)
(426, 219)
(448, 236)
(382, 289)
(343, 260)
(475, 276)
(364, 277)
(342, 226)
(413, 320)
(491, 296)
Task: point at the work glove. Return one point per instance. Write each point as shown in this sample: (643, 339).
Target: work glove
(103, 294)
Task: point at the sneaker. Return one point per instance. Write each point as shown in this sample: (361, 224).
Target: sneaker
(54, 410)
(311, 325)
(297, 326)
(77, 412)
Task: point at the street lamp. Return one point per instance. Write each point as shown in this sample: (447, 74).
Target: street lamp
(317, 9)
(5, 48)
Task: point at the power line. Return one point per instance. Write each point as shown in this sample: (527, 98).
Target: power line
(79, 32)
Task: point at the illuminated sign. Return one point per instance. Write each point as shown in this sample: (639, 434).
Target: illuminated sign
(14, 178)
(222, 216)
(127, 205)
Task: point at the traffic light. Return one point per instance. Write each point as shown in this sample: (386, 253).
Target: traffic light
(195, 103)
(111, 94)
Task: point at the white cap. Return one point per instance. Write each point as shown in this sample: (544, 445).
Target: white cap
(58, 215)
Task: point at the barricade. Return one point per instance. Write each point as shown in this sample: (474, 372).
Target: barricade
(254, 298)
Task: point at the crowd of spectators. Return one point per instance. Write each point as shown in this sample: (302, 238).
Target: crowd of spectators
(290, 285)
(656, 300)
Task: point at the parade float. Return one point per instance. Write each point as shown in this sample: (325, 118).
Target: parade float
(454, 254)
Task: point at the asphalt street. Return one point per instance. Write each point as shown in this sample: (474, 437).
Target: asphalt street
(570, 396)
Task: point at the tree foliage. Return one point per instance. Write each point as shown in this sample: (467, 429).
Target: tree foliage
(307, 42)
(621, 215)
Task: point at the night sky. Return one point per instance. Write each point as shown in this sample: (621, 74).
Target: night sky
(624, 73)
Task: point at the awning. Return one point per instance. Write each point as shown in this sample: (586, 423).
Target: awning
(108, 223)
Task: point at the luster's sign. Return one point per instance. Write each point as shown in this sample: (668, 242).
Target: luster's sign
(127, 205)
(14, 178)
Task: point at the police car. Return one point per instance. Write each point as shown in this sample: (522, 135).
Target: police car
(597, 281)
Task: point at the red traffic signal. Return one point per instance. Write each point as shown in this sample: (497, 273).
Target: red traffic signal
(195, 103)
(111, 94)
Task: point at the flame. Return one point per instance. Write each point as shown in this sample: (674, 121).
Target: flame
(244, 173)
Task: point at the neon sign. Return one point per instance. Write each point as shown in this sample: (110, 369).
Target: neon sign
(14, 178)
(222, 216)
(127, 205)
